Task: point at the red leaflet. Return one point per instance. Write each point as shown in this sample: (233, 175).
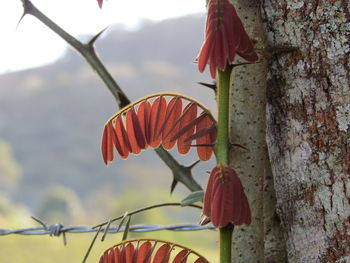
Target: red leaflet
(204, 152)
(225, 201)
(174, 111)
(143, 115)
(189, 113)
(107, 144)
(135, 133)
(100, 2)
(163, 254)
(155, 123)
(127, 253)
(181, 257)
(144, 253)
(122, 137)
(115, 255)
(224, 38)
(157, 117)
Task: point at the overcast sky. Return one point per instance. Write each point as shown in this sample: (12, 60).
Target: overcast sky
(32, 44)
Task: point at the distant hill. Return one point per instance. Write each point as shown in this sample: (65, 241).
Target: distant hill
(53, 116)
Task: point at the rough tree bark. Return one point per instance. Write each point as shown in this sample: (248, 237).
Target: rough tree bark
(308, 132)
(308, 120)
(263, 240)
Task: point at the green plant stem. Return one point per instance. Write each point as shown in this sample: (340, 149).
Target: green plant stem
(222, 148)
(226, 243)
(223, 144)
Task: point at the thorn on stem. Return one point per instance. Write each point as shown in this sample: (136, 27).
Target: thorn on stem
(194, 164)
(210, 86)
(93, 40)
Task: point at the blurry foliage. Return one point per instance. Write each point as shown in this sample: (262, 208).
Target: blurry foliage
(10, 171)
(12, 215)
(60, 204)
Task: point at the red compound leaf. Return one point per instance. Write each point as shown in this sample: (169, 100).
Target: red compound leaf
(224, 38)
(225, 201)
(150, 250)
(151, 121)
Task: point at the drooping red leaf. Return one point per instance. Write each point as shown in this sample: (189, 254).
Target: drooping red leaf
(135, 148)
(115, 255)
(163, 254)
(224, 38)
(107, 144)
(204, 153)
(209, 192)
(173, 113)
(181, 257)
(115, 140)
(122, 137)
(135, 133)
(143, 114)
(127, 253)
(225, 201)
(144, 253)
(103, 258)
(221, 207)
(157, 117)
(190, 113)
(109, 258)
(206, 51)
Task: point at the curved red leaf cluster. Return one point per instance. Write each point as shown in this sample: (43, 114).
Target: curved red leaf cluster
(224, 38)
(225, 201)
(147, 251)
(159, 123)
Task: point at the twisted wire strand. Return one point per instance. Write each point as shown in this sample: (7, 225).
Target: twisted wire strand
(58, 229)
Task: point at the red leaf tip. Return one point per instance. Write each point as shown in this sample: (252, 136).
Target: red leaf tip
(225, 37)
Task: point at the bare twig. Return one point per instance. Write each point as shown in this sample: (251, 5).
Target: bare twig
(181, 173)
(142, 210)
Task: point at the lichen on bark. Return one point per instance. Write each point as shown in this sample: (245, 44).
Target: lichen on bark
(308, 134)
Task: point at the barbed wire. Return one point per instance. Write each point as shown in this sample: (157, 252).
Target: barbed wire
(58, 229)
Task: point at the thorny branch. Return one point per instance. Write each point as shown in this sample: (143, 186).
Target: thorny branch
(181, 173)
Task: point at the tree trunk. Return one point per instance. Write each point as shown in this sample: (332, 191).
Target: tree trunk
(308, 120)
(263, 240)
